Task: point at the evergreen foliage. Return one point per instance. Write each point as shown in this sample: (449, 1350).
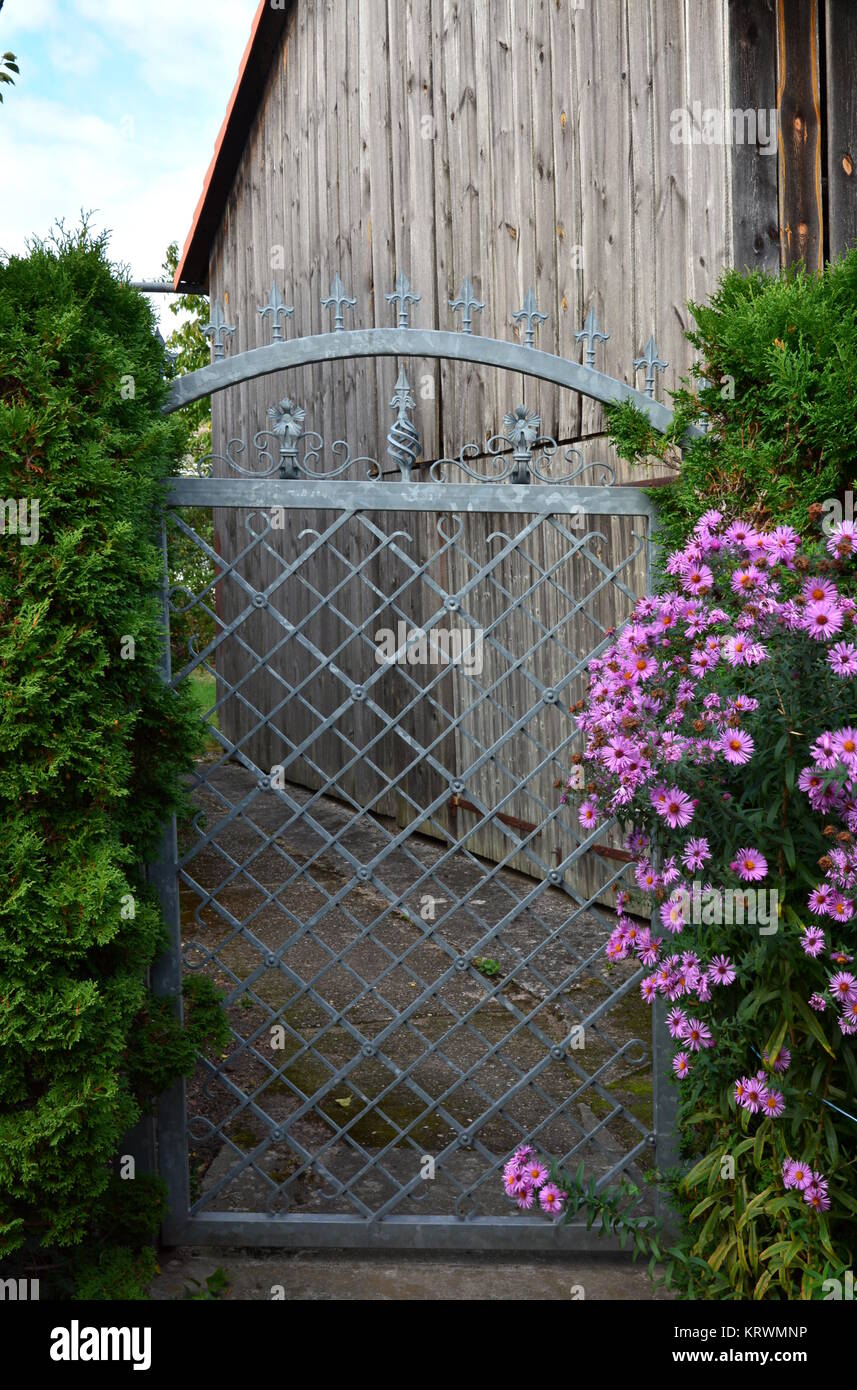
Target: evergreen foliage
(93, 745)
(777, 380)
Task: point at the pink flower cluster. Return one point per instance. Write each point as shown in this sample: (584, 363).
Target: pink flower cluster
(753, 1093)
(653, 718)
(830, 783)
(526, 1178)
(812, 1186)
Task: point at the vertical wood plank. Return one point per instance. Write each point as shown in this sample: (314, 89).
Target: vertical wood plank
(798, 102)
(752, 37)
(841, 113)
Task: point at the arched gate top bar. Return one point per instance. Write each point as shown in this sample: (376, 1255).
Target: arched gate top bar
(412, 342)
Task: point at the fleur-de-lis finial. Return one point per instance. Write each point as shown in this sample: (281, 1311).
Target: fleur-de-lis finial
(652, 363)
(469, 303)
(215, 329)
(287, 422)
(590, 333)
(522, 430)
(339, 301)
(402, 295)
(530, 312)
(403, 442)
(278, 309)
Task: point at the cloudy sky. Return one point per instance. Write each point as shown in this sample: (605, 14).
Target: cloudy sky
(116, 111)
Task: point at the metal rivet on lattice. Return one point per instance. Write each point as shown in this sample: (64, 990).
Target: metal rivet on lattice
(270, 960)
(555, 876)
(364, 874)
(461, 963)
(368, 1050)
(558, 1053)
(264, 784)
(358, 692)
(451, 604)
(457, 786)
(550, 697)
(259, 601)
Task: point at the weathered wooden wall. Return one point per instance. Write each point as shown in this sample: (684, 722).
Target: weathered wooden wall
(518, 142)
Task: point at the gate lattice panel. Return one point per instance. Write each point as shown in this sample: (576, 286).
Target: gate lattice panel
(405, 918)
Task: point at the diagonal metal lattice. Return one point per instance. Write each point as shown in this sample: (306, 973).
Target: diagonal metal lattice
(407, 922)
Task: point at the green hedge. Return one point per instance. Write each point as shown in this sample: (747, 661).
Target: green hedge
(93, 745)
(779, 356)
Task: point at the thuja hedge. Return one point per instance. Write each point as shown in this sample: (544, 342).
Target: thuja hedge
(776, 377)
(93, 751)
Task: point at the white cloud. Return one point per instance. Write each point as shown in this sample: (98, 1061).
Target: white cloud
(175, 43)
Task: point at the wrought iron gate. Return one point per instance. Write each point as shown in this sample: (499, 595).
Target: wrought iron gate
(405, 917)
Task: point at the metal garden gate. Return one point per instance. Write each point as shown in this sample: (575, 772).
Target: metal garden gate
(406, 920)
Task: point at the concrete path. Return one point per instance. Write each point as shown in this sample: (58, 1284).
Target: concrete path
(344, 1275)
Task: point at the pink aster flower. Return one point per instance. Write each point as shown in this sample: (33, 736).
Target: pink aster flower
(677, 808)
(552, 1198)
(740, 1089)
(696, 1034)
(681, 1065)
(843, 986)
(812, 941)
(783, 1060)
(842, 909)
(843, 539)
(721, 971)
(521, 1154)
(536, 1173)
(820, 899)
(773, 1104)
(588, 814)
(817, 590)
(845, 744)
(737, 746)
(648, 989)
(695, 853)
(801, 1175)
(525, 1195)
(822, 620)
(842, 657)
(819, 1201)
(749, 865)
(675, 1021)
(754, 1095)
(672, 915)
(818, 1002)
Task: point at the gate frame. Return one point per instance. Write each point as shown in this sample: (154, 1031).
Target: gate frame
(327, 493)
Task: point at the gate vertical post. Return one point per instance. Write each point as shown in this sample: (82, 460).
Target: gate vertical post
(664, 1107)
(166, 980)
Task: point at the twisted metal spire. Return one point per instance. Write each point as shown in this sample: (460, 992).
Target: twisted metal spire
(403, 441)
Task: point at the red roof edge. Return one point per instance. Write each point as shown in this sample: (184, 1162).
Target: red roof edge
(265, 34)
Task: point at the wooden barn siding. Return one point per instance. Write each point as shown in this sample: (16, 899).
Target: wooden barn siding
(551, 131)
